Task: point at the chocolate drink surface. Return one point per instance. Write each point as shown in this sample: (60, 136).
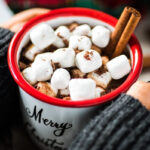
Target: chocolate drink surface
(70, 62)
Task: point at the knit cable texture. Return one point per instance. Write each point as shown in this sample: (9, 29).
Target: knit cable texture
(8, 88)
(124, 125)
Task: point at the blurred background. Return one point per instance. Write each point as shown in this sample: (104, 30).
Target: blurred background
(113, 7)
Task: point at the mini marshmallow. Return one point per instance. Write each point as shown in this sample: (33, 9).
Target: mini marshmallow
(42, 69)
(64, 56)
(60, 79)
(82, 30)
(105, 60)
(64, 92)
(59, 43)
(76, 73)
(63, 32)
(29, 75)
(99, 91)
(80, 42)
(46, 88)
(43, 57)
(31, 52)
(73, 26)
(100, 36)
(102, 80)
(81, 89)
(42, 36)
(119, 67)
(88, 61)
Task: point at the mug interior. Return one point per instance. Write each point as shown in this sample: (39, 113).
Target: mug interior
(133, 48)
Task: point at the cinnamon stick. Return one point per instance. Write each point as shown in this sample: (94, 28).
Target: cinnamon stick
(115, 36)
(123, 31)
(128, 30)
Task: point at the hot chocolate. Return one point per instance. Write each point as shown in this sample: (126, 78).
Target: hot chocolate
(70, 62)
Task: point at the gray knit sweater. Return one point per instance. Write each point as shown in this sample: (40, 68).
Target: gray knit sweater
(124, 125)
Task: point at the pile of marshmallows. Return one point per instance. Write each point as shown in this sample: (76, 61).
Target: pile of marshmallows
(87, 60)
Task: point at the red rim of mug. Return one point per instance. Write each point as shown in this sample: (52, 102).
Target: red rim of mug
(66, 12)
